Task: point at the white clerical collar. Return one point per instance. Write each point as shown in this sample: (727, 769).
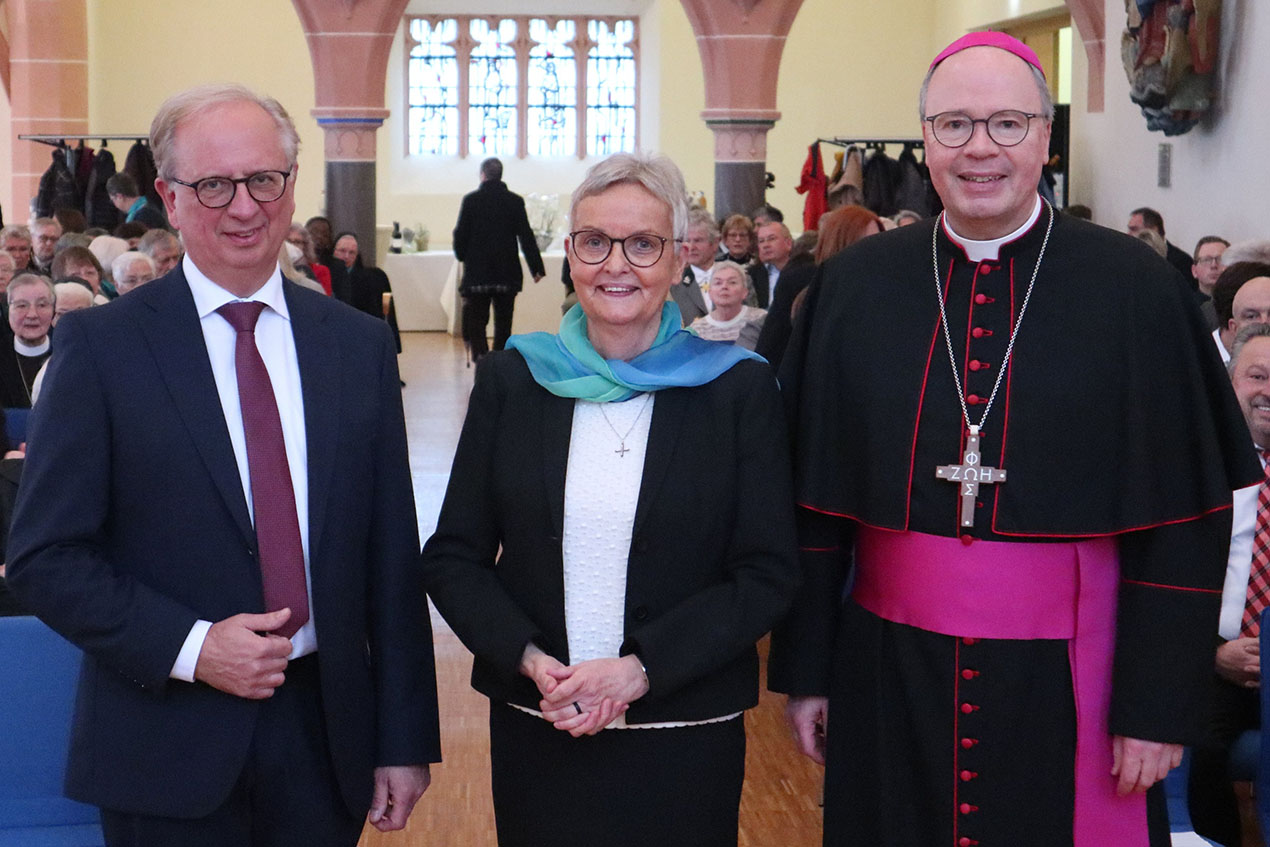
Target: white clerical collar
(978, 251)
(208, 296)
(29, 351)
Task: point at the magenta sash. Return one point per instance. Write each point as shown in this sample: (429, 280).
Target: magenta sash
(995, 589)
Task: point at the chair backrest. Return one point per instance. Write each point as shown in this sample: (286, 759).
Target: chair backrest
(39, 671)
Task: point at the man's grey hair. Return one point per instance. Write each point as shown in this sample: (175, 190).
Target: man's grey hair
(492, 169)
(30, 279)
(1247, 251)
(15, 231)
(154, 239)
(119, 267)
(699, 217)
(1042, 87)
(40, 223)
(653, 172)
(1245, 334)
(186, 104)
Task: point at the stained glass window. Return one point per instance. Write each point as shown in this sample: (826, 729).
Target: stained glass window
(551, 120)
(433, 90)
(610, 90)
(481, 86)
(492, 88)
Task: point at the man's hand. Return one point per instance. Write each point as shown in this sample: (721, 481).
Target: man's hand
(538, 277)
(809, 721)
(238, 659)
(1141, 764)
(397, 789)
(1239, 662)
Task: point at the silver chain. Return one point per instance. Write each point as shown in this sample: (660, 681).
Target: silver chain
(943, 319)
(621, 437)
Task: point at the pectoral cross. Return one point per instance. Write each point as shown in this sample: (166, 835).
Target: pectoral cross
(969, 475)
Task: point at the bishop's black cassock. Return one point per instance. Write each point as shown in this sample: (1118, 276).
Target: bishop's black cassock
(1115, 419)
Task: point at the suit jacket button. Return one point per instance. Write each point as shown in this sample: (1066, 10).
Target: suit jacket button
(641, 613)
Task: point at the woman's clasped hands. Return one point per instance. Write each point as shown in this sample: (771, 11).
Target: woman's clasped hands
(583, 699)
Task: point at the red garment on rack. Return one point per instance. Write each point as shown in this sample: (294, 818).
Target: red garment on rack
(815, 185)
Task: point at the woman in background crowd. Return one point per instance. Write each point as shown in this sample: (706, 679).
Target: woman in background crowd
(730, 320)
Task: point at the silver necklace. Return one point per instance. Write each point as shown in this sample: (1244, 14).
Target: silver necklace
(623, 450)
(970, 474)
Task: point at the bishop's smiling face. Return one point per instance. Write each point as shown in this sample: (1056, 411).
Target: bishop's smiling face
(988, 190)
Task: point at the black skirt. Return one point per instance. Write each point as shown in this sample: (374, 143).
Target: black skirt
(677, 787)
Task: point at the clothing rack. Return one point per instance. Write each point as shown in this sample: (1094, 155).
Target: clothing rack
(57, 140)
(873, 143)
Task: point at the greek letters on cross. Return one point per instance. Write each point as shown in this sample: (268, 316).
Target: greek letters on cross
(970, 474)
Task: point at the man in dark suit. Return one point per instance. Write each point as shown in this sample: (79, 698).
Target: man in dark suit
(1148, 218)
(774, 246)
(223, 521)
(492, 220)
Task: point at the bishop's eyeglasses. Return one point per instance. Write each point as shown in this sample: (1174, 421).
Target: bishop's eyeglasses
(1007, 127)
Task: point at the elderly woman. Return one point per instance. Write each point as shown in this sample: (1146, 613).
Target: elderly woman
(80, 262)
(738, 240)
(731, 320)
(615, 537)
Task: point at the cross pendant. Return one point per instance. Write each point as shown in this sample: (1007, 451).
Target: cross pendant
(969, 474)
(623, 450)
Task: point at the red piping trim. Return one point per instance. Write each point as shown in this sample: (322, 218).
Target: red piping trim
(956, 773)
(1108, 534)
(957, 245)
(921, 400)
(962, 432)
(1171, 587)
(1005, 414)
(819, 549)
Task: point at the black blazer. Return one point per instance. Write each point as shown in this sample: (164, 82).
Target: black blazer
(712, 566)
(491, 221)
(131, 524)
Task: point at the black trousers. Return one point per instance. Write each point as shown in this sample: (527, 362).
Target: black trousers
(286, 795)
(476, 316)
(1210, 797)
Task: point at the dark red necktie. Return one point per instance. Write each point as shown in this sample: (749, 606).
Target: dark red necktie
(1259, 572)
(272, 497)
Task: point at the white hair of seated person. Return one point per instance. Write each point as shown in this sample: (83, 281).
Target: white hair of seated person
(1255, 250)
(124, 265)
(107, 248)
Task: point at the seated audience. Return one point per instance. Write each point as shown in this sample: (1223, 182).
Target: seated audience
(123, 193)
(15, 240)
(1206, 268)
(309, 264)
(1235, 702)
(80, 262)
(323, 239)
(7, 269)
(131, 269)
(1240, 297)
(904, 217)
(44, 235)
(72, 220)
(131, 232)
(163, 248)
(1147, 219)
(287, 256)
(31, 304)
(361, 287)
(72, 294)
(775, 245)
(72, 239)
(1247, 251)
(839, 229)
(699, 244)
(730, 320)
(738, 240)
(107, 248)
(767, 213)
(1080, 211)
(1155, 240)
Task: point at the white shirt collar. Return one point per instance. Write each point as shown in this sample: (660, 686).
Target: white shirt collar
(978, 251)
(208, 296)
(28, 350)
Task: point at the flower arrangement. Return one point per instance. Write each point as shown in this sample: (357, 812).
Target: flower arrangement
(543, 211)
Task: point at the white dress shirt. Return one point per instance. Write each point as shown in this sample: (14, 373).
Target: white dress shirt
(1234, 593)
(276, 344)
(703, 282)
(1221, 348)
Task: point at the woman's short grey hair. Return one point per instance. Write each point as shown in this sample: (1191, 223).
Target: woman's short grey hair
(729, 265)
(1245, 334)
(1047, 100)
(653, 172)
(119, 267)
(180, 107)
(25, 279)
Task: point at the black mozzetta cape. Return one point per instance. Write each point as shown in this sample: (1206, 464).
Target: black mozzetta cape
(1115, 417)
(1115, 414)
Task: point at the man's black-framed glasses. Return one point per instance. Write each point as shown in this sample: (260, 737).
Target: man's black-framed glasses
(217, 192)
(642, 249)
(1007, 127)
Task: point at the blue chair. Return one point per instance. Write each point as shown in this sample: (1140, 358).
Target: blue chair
(38, 674)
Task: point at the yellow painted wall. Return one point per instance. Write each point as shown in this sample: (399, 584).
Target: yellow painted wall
(141, 51)
(953, 19)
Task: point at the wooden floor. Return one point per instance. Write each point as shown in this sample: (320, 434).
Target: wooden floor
(780, 801)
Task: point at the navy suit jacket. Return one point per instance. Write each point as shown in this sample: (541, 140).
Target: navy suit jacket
(131, 524)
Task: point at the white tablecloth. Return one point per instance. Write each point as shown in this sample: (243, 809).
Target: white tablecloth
(417, 280)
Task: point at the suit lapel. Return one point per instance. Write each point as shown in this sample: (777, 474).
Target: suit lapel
(663, 434)
(556, 421)
(318, 353)
(180, 352)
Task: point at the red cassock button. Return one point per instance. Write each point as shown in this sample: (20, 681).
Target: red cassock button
(966, 776)
(969, 674)
(968, 540)
(985, 269)
(977, 332)
(966, 708)
(966, 808)
(973, 399)
(981, 298)
(967, 743)
(975, 365)
(968, 641)
(966, 842)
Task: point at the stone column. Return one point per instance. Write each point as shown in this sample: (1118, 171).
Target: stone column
(740, 42)
(47, 79)
(349, 42)
(1089, 19)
